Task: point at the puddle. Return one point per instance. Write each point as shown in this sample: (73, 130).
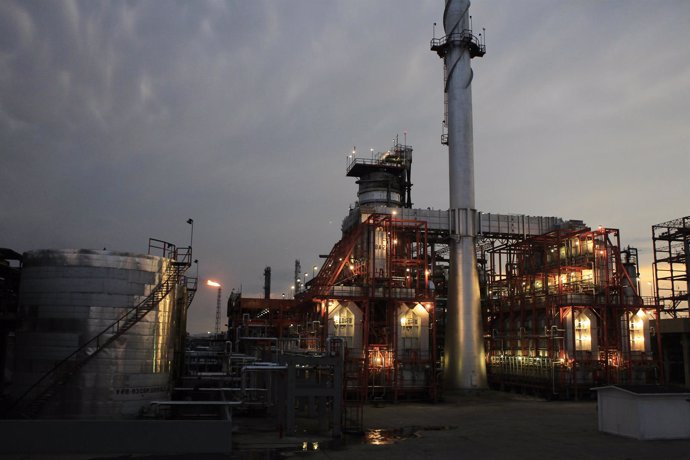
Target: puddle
(378, 436)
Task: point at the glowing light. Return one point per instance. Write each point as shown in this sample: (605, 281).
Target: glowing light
(637, 333)
(212, 283)
(377, 358)
(583, 333)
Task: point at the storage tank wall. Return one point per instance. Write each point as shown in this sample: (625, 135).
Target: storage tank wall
(69, 296)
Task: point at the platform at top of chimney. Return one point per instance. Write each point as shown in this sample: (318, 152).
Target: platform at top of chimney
(474, 43)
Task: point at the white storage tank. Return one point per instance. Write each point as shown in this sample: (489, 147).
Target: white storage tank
(69, 296)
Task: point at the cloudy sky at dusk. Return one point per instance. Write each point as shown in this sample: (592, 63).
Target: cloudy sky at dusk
(119, 120)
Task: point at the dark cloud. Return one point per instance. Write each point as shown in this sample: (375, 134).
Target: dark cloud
(120, 120)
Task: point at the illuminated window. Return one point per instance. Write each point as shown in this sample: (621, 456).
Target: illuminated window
(410, 330)
(583, 332)
(587, 275)
(344, 325)
(636, 331)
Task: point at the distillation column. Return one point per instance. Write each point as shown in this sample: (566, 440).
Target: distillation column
(464, 365)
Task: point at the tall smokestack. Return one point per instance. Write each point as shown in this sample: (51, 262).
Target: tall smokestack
(464, 366)
(267, 283)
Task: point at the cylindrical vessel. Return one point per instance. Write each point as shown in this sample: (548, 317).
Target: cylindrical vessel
(69, 296)
(380, 188)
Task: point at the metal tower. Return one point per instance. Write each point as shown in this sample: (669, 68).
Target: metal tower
(464, 366)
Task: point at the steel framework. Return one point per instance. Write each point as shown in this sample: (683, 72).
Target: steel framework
(381, 265)
(671, 265)
(562, 312)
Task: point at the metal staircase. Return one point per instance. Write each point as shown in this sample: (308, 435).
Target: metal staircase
(338, 257)
(30, 403)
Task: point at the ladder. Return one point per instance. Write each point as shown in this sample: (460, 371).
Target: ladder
(30, 403)
(354, 393)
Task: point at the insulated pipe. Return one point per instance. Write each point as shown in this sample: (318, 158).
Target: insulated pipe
(464, 365)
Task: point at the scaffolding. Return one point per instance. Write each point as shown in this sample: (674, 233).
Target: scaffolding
(562, 312)
(671, 242)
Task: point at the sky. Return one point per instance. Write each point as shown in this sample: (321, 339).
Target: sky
(120, 120)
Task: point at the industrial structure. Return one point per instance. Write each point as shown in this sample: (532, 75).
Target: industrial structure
(560, 306)
(562, 312)
(460, 299)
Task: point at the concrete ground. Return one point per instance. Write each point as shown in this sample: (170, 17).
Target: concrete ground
(491, 425)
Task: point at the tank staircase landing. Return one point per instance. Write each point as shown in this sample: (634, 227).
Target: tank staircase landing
(32, 401)
(192, 284)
